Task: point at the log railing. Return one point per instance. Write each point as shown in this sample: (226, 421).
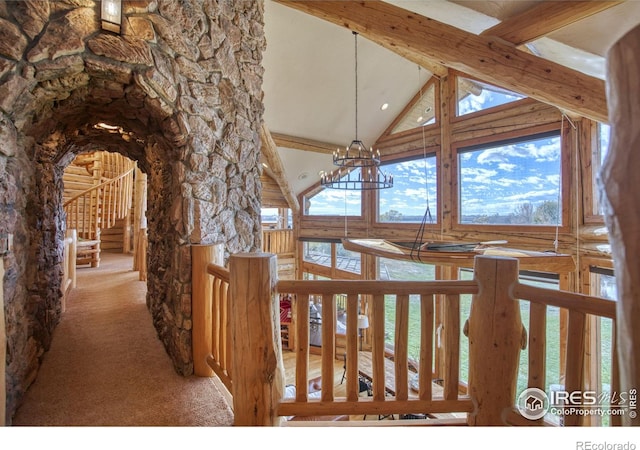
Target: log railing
(100, 206)
(68, 265)
(278, 241)
(580, 308)
(239, 341)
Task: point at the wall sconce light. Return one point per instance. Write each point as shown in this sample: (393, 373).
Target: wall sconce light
(111, 15)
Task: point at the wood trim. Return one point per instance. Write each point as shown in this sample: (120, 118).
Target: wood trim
(419, 38)
(544, 18)
(299, 143)
(416, 98)
(537, 231)
(270, 152)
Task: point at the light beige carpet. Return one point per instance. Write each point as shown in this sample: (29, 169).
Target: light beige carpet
(107, 367)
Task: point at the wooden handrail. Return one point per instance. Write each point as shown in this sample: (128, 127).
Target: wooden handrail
(98, 186)
(585, 304)
(495, 332)
(100, 206)
(369, 287)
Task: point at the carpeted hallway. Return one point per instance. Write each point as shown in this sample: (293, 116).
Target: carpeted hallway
(106, 366)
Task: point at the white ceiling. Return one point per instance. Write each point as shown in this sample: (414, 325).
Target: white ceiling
(309, 79)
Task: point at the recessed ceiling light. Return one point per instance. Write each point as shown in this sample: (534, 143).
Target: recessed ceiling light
(384, 106)
(303, 175)
(419, 119)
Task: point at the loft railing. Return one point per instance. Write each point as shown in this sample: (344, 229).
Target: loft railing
(100, 206)
(239, 341)
(278, 241)
(68, 265)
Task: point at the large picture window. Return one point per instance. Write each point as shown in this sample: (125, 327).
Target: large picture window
(414, 188)
(476, 96)
(516, 182)
(334, 202)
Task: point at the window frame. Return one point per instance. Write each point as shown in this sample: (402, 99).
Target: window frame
(411, 156)
(454, 105)
(501, 139)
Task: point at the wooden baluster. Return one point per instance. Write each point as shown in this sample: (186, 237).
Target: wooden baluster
(378, 347)
(302, 347)
(216, 319)
(328, 344)
(451, 346)
(537, 345)
(258, 380)
(426, 346)
(225, 336)
(400, 347)
(495, 333)
(616, 421)
(574, 370)
(353, 386)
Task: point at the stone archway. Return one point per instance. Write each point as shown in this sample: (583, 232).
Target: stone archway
(181, 92)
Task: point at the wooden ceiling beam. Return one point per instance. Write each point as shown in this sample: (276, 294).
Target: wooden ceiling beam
(490, 60)
(298, 143)
(544, 18)
(270, 153)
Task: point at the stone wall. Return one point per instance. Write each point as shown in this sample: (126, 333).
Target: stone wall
(181, 92)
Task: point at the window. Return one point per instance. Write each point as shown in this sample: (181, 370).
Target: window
(600, 150)
(317, 253)
(347, 260)
(269, 216)
(396, 270)
(513, 182)
(334, 202)
(477, 96)
(414, 187)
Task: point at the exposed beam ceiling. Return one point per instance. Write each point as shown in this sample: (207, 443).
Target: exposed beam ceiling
(270, 153)
(494, 61)
(545, 18)
(287, 141)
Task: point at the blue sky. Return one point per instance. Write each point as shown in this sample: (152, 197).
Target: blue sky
(494, 181)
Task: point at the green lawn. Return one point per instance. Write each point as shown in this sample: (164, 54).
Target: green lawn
(404, 270)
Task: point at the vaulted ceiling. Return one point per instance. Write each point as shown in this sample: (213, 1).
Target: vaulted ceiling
(554, 51)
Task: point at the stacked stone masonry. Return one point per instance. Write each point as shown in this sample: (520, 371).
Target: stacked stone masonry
(181, 91)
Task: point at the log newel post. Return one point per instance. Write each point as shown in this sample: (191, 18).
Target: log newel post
(495, 331)
(621, 203)
(201, 305)
(73, 256)
(258, 369)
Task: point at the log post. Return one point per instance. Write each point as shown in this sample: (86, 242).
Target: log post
(201, 304)
(73, 255)
(141, 251)
(621, 203)
(495, 331)
(258, 369)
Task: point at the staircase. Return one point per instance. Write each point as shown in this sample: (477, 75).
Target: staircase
(98, 195)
